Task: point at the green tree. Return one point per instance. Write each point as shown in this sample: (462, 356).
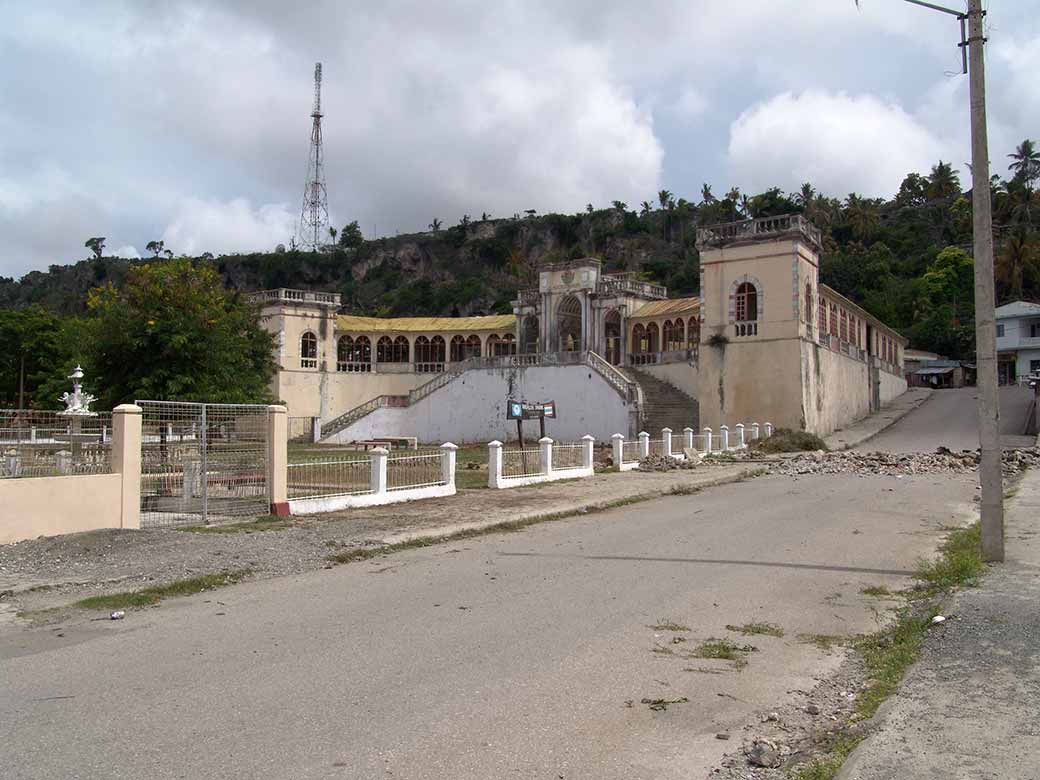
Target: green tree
(173, 332)
(350, 236)
(706, 196)
(1016, 259)
(1025, 162)
(435, 226)
(944, 182)
(33, 351)
(620, 205)
(155, 247)
(96, 245)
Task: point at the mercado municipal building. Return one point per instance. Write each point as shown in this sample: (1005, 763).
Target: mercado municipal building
(764, 341)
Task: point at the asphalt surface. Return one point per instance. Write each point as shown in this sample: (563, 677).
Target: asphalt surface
(949, 418)
(524, 655)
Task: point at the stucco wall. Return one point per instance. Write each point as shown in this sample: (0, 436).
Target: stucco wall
(472, 409)
(892, 386)
(750, 381)
(48, 506)
(837, 388)
(679, 375)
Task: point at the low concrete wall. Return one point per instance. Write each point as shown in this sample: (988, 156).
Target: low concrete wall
(314, 506)
(682, 376)
(473, 408)
(892, 387)
(48, 506)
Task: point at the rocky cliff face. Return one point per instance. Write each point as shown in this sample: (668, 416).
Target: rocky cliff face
(467, 269)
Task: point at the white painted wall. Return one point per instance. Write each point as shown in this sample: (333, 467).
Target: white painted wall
(892, 387)
(473, 408)
(682, 376)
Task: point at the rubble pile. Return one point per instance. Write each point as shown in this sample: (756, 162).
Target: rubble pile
(900, 464)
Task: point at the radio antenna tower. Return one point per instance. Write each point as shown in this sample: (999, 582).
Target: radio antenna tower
(314, 217)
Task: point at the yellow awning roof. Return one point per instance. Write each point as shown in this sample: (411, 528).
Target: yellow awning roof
(667, 308)
(354, 324)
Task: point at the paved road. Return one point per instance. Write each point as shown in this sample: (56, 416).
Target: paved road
(511, 656)
(949, 419)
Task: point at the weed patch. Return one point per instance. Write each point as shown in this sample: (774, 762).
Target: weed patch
(722, 649)
(879, 591)
(826, 767)
(659, 705)
(266, 523)
(149, 596)
(787, 440)
(825, 642)
(959, 564)
(753, 629)
(670, 625)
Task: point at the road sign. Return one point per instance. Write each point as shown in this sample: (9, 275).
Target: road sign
(526, 410)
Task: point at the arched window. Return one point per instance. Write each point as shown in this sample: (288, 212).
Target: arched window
(808, 305)
(385, 350)
(568, 321)
(400, 350)
(500, 346)
(363, 351)
(422, 350)
(308, 350)
(746, 303)
(834, 319)
(821, 324)
(639, 340)
(492, 345)
(612, 337)
(653, 338)
(458, 348)
(437, 349)
(473, 346)
(344, 351)
(354, 355)
(693, 334)
(844, 327)
(529, 335)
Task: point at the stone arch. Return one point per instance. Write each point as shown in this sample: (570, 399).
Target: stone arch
(752, 295)
(612, 337)
(568, 324)
(529, 335)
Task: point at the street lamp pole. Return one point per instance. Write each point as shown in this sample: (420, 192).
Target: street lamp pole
(990, 477)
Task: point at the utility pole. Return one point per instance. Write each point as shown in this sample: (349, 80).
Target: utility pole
(990, 476)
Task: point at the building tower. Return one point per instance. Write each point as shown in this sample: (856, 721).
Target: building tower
(314, 217)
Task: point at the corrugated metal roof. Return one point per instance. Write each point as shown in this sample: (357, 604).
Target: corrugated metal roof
(1018, 309)
(668, 307)
(932, 371)
(355, 324)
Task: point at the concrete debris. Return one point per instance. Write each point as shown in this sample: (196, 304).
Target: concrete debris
(938, 619)
(812, 709)
(117, 615)
(722, 735)
(765, 753)
(900, 464)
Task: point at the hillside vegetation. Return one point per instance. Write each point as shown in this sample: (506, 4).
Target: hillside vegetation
(906, 260)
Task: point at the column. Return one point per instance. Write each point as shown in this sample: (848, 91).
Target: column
(448, 464)
(278, 460)
(545, 444)
(617, 442)
(724, 434)
(644, 445)
(377, 459)
(494, 464)
(688, 438)
(740, 434)
(126, 461)
(666, 441)
(587, 452)
(707, 439)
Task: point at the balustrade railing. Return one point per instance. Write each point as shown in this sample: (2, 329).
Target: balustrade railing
(765, 227)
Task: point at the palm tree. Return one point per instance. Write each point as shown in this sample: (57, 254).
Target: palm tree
(589, 208)
(435, 226)
(1018, 255)
(706, 196)
(332, 233)
(620, 206)
(1026, 162)
(804, 197)
(745, 206)
(861, 214)
(944, 181)
(645, 208)
(664, 197)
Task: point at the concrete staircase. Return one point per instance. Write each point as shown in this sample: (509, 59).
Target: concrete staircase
(664, 406)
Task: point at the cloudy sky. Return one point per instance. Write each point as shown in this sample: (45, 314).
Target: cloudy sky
(189, 121)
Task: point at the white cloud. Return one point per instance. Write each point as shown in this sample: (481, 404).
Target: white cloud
(224, 227)
(838, 142)
(129, 252)
(690, 105)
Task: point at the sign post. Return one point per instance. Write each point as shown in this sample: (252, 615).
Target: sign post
(526, 410)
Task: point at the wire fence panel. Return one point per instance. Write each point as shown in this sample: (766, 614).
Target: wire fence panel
(630, 452)
(699, 441)
(568, 456)
(202, 463)
(417, 469)
(678, 443)
(301, 429)
(36, 443)
(521, 463)
(318, 477)
(657, 447)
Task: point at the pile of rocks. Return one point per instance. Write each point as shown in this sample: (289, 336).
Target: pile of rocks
(900, 464)
(661, 463)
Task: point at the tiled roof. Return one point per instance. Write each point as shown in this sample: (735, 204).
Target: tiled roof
(668, 307)
(355, 324)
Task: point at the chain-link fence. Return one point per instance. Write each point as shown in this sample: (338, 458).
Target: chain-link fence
(35, 443)
(202, 463)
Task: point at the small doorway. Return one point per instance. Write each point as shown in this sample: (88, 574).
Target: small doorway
(612, 334)
(568, 321)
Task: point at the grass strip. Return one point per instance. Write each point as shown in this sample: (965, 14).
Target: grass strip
(757, 629)
(147, 597)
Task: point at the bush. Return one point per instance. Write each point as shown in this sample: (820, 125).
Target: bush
(786, 440)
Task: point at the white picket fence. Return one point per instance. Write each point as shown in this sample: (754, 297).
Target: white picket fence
(628, 454)
(551, 461)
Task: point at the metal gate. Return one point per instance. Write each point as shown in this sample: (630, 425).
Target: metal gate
(202, 463)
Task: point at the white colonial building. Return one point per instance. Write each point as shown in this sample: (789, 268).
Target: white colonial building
(1018, 341)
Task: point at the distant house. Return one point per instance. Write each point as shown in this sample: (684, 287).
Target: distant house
(1018, 341)
(930, 369)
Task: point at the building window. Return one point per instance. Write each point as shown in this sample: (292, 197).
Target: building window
(308, 350)
(458, 348)
(1000, 331)
(822, 323)
(501, 346)
(354, 355)
(745, 309)
(392, 351)
(808, 306)
(429, 354)
(1034, 329)
(639, 340)
(473, 346)
(693, 334)
(1034, 366)
(674, 335)
(834, 319)
(653, 338)
(844, 333)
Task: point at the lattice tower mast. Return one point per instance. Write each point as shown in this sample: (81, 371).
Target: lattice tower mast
(314, 217)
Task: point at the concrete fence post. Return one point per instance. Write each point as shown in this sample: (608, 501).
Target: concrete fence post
(740, 435)
(688, 438)
(315, 430)
(666, 441)
(754, 432)
(448, 463)
(724, 437)
(377, 459)
(126, 461)
(644, 445)
(545, 445)
(278, 460)
(587, 450)
(707, 439)
(32, 434)
(494, 464)
(769, 429)
(13, 463)
(617, 442)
